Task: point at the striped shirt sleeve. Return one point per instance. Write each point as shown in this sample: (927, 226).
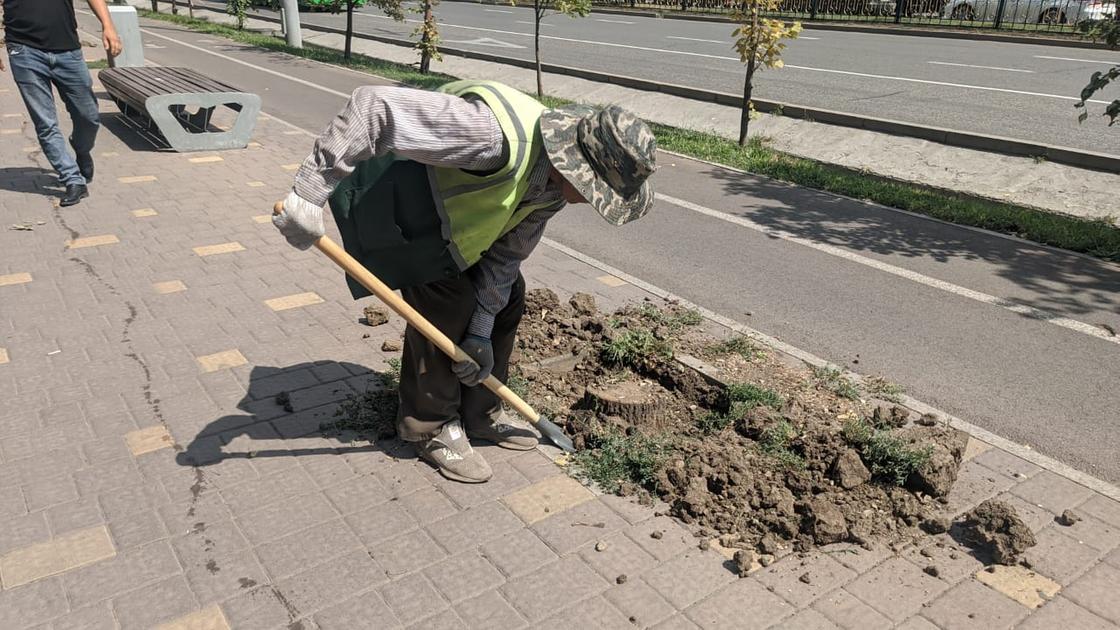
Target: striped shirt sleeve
(428, 127)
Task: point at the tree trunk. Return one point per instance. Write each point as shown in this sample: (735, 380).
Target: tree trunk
(190, 8)
(174, 7)
(425, 53)
(155, 6)
(349, 28)
(745, 114)
(537, 47)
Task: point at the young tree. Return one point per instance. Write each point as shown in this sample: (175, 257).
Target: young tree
(1107, 30)
(759, 42)
(429, 36)
(391, 8)
(237, 8)
(570, 8)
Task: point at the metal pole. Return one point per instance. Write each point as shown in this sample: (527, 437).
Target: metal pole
(999, 14)
(291, 24)
(898, 10)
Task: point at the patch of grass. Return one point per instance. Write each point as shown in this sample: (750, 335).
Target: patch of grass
(775, 441)
(99, 64)
(886, 454)
(834, 381)
(392, 376)
(675, 318)
(615, 459)
(880, 387)
(740, 345)
(372, 413)
(519, 384)
(714, 422)
(1093, 237)
(749, 396)
(632, 346)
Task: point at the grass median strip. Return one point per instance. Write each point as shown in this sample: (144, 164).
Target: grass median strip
(1096, 237)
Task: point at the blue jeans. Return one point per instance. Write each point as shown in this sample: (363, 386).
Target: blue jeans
(35, 71)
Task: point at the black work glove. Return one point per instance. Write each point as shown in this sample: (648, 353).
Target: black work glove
(471, 373)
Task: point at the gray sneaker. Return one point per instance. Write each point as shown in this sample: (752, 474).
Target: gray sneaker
(506, 430)
(451, 453)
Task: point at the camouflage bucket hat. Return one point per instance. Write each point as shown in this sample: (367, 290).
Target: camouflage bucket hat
(607, 154)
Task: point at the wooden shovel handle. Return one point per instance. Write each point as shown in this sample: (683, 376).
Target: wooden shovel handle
(389, 297)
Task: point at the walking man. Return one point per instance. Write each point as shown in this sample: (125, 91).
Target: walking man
(442, 195)
(44, 51)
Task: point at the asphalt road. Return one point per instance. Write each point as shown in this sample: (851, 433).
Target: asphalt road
(950, 313)
(1017, 91)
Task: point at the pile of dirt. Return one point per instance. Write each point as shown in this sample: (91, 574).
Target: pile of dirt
(994, 529)
(783, 457)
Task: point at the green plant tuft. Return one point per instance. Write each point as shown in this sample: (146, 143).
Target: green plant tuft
(614, 459)
(749, 396)
(775, 441)
(631, 347)
(741, 345)
(833, 380)
(886, 454)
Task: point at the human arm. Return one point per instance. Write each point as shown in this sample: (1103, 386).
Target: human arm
(109, 38)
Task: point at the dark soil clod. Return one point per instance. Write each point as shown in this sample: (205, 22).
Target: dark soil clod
(932, 571)
(373, 316)
(1068, 518)
(994, 528)
(284, 400)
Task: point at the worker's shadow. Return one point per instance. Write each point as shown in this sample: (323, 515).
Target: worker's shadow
(300, 402)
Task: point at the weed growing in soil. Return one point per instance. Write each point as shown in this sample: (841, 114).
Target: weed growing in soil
(674, 319)
(614, 460)
(747, 396)
(880, 387)
(886, 454)
(713, 422)
(632, 346)
(775, 441)
(834, 381)
(519, 384)
(373, 412)
(742, 346)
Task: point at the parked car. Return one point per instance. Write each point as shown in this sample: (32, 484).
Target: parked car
(1030, 11)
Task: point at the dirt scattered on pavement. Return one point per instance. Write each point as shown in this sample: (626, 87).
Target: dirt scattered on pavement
(373, 316)
(1068, 518)
(782, 457)
(995, 529)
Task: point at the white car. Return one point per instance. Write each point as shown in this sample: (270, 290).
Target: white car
(1029, 11)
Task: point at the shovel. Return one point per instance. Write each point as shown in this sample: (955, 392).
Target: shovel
(442, 341)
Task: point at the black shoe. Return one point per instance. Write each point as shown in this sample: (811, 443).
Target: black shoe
(74, 194)
(85, 166)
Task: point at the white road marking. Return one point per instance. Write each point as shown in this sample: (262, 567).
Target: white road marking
(484, 41)
(519, 22)
(612, 21)
(807, 37)
(497, 11)
(706, 41)
(963, 86)
(913, 276)
(965, 65)
(1111, 63)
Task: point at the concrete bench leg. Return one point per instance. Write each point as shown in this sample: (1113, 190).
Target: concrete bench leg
(162, 110)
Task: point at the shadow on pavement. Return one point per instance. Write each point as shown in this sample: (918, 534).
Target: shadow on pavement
(293, 403)
(31, 180)
(1061, 282)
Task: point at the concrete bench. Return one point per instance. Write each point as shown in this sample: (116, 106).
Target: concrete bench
(160, 97)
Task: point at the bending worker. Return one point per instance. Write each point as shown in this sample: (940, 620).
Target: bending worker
(442, 195)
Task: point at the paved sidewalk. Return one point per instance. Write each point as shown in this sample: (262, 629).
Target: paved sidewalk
(164, 313)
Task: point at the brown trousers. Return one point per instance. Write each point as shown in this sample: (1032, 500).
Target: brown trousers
(431, 395)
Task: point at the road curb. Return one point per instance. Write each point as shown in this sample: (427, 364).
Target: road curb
(1048, 463)
(851, 27)
(949, 137)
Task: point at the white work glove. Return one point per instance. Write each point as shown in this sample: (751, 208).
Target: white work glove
(301, 222)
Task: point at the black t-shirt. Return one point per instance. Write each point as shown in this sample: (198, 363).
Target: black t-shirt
(43, 24)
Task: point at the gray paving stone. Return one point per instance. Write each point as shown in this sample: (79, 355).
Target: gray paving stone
(412, 598)
(137, 529)
(552, 588)
(224, 575)
(575, 527)
(847, 611)
(12, 503)
(206, 542)
(464, 576)
(49, 491)
(489, 611)
(970, 604)
(408, 552)
(535, 466)
(1103, 508)
(591, 613)
(263, 608)
(628, 508)
(917, 623)
(676, 622)
(622, 556)
(364, 610)
(975, 483)
(398, 478)
(506, 479)
(281, 519)
(95, 617)
(807, 619)
(674, 539)
(107, 476)
(1060, 557)
(154, 604)
(27, 605)
(1096, 591)
(128, 570)
(1051, 491)
(954, 562)
(784, 578)
(180, 518)
(292, 553)
(518, 553)
(1033, 516)
(896, 588)
(357, 494)
(743, 604)
(332, 581)
(687, 579)
(381, 523)
(1062, 613)
(428, 505)
(252, 495)
(637, 599)
(474, 526)
(1094, 533)
(1007, 464)
(329, 470)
